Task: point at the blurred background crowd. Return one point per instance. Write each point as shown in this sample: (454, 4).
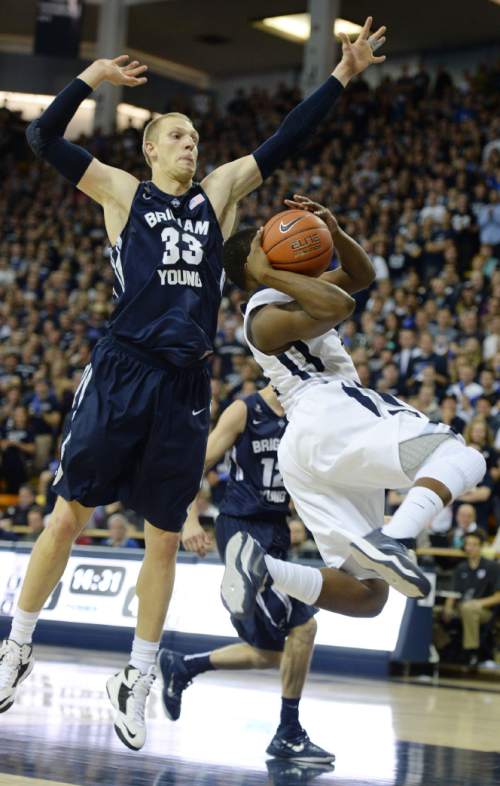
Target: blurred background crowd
(411, 169)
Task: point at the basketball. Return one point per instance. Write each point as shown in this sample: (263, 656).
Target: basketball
(299, 241)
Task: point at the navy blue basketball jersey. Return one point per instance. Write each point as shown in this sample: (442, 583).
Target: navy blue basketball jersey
(255, 486)
(168, 275)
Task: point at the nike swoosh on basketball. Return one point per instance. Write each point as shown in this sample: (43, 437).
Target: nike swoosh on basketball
(285, 227)
(198, 411)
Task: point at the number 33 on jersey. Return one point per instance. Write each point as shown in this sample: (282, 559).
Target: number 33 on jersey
(168, 274)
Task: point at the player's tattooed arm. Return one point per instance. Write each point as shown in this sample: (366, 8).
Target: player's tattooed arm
(231, 424)
(356, 271)
(317, 305)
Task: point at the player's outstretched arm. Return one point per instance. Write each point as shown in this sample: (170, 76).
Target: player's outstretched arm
(231, 182)
(231, 424)
(356, 271)
(316, 307)
(45, 134)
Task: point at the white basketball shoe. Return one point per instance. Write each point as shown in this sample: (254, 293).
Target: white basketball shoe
(16, 664)
(128, 692)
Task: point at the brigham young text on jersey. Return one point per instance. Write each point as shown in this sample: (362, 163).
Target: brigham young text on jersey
(168, 274)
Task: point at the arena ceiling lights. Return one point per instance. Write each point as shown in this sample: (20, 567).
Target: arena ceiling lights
(297, 27)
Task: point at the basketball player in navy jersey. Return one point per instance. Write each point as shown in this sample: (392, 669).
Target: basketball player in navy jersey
(138, 427)
(344, 445)
(281, 631)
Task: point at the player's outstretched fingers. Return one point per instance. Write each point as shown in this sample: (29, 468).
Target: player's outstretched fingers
(301, 202)
(120, 60)
(346, 42)
(378, 34)
(365, 32)
(376, 44)
(135, 70)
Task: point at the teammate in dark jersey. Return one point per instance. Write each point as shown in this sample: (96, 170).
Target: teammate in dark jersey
(281, 631)
(138, 428)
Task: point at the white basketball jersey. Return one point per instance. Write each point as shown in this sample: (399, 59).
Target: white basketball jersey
(306, 364)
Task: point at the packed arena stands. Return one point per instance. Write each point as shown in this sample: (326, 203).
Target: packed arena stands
(411, 169)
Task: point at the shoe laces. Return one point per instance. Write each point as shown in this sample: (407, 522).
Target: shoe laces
(140, 692)
(10, 660)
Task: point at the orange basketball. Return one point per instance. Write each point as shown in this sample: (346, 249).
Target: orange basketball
(299, 241)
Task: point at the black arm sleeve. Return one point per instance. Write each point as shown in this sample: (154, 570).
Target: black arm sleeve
(45, 135)
(297, 126)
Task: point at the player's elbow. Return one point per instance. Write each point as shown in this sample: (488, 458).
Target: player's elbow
(369, 275)
(340, 306)
(331, 304)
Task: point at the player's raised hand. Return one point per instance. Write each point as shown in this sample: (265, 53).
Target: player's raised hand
(359, 54)
(121, 72)
(301, 202)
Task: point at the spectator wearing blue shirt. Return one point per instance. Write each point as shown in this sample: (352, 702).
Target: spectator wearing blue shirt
(118, 527)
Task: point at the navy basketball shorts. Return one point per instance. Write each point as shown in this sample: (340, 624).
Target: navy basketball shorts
(275, 613)
(137, 433)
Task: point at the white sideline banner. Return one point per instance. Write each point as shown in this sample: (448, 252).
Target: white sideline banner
(100, 590)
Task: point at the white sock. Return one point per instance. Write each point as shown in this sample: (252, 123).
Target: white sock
(415, 512)
(143, 654)
(299, 581)
(23, 625)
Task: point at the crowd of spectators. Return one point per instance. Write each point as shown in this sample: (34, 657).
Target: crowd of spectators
(411, 169)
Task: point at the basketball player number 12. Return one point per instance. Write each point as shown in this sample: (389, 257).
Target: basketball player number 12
(271, 476)
(193, 254)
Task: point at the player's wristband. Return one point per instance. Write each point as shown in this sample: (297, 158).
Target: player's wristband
(45, 134)
(297, 126)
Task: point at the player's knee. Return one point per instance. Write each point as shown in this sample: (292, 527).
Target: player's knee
(374, 600)
(162, 546)
(458, 467)
(308, 630)
(306, 633)
(63, 525)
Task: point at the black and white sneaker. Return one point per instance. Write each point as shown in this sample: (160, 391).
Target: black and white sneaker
(294, 773)
(16, 664)
(298, 748)
(128, 692)
(175, 681)
(244, 575)
(393, 563)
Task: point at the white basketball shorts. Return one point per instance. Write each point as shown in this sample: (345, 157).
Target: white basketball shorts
(338, 455)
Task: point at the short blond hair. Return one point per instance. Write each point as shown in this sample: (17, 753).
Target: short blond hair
(152, 129)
